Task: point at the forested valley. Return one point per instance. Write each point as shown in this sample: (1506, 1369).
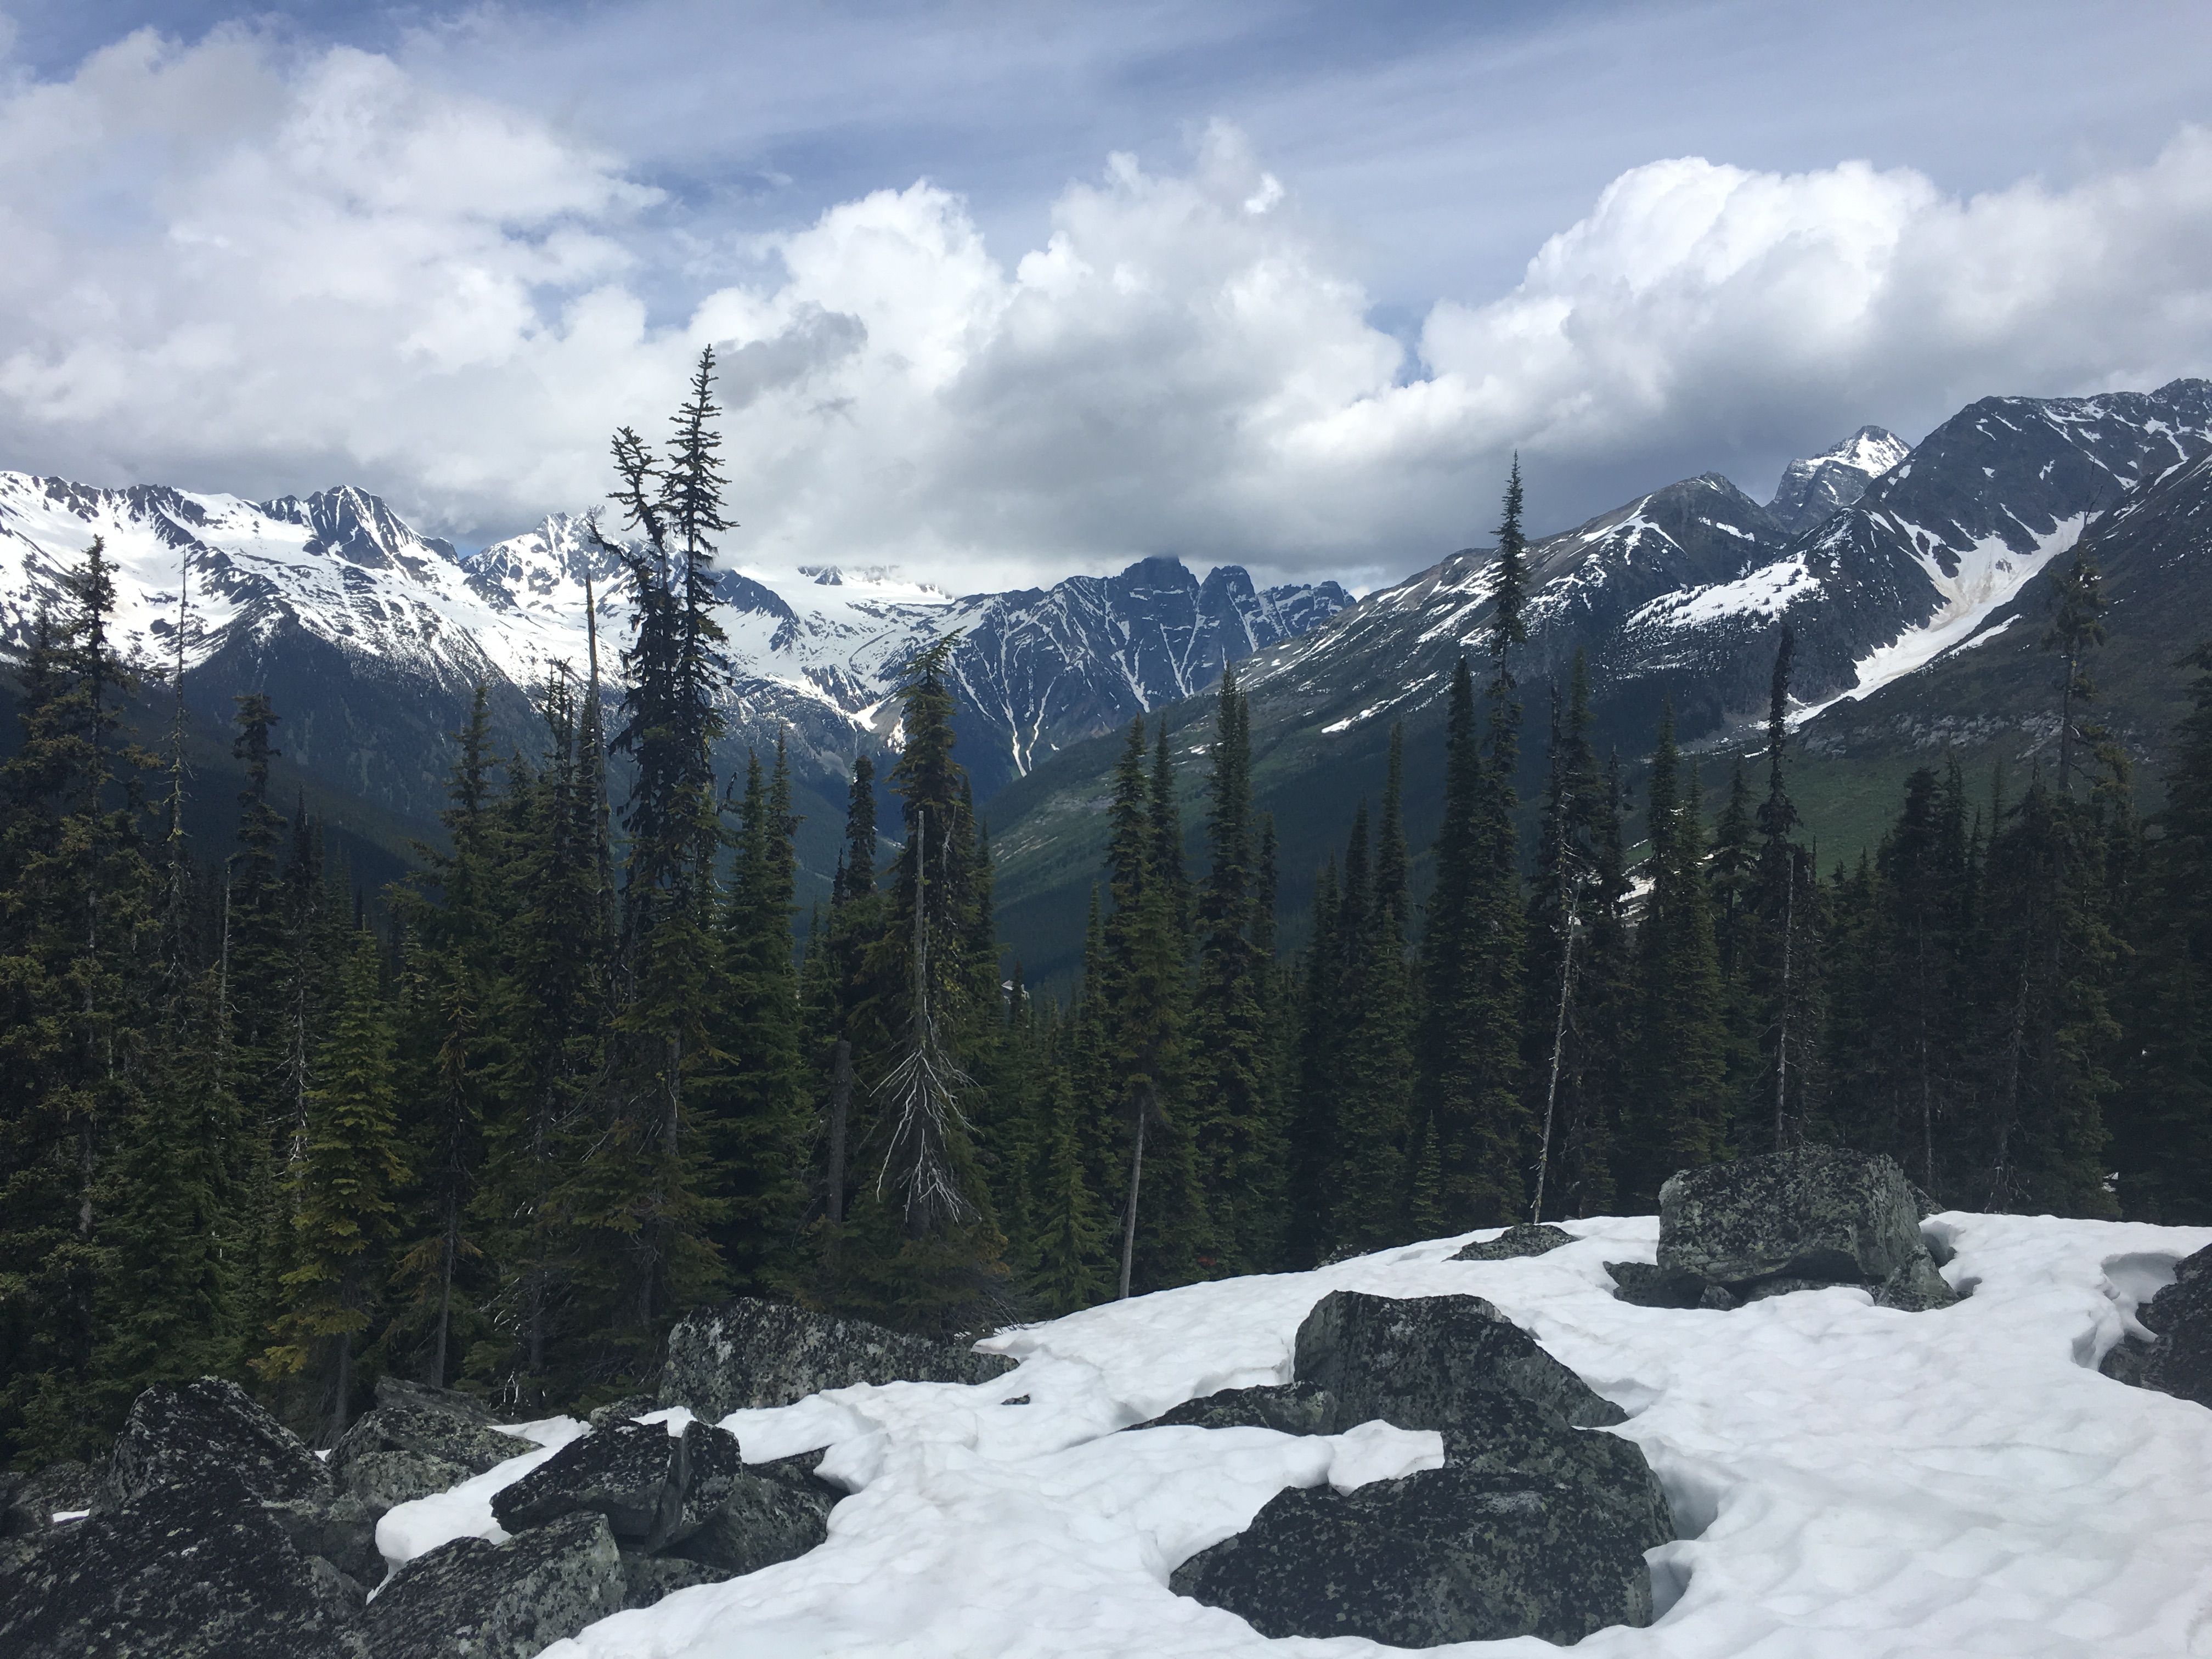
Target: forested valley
(498, 1126)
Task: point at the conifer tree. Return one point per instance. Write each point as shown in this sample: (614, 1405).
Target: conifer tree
(2162, 1122)
(1239, 1144)
(1475, 945)
(1374, 1059)
(345, 1208)
(1679, 1076)
(79, 969)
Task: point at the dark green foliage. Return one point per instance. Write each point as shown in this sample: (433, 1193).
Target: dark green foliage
(1677, 1114)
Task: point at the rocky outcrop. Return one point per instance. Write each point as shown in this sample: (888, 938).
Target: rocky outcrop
(484, 1600)
(29, 1504)
(749, 1353)
(184, 1570)
(629, 1472)
(1816, 1212)
(1456, 1554)
(1525, 1239)
(417, 1441)
(1286, 1408)
(1803, 1220)
(682, 1509)
(2179, 1361)
(1535, 1526)
(189, 1434)
(1429, 1363)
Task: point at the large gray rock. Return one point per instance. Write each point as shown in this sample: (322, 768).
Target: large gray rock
(196, 1570)
(470, 1599)
(186, 1435)
(629, 1473)
(1525, 1239)
(1429, 1362)
(750, 1353)
(1463, 1553)
(647, 1578)
(417, 1441)
(29, 1504)
(1817, 1212)
(1285, 1407)
(761, 1520)
(2179, 1361)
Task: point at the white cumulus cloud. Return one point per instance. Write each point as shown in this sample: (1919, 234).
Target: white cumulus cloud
(231, 267)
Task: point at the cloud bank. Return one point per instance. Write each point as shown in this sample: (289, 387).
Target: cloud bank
(233, 267)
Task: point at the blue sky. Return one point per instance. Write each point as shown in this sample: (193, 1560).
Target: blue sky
(1327, 229)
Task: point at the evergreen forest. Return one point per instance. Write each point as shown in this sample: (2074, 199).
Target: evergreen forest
(498, 1126)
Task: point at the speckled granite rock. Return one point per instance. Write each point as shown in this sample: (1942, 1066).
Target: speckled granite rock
(750, 1353)
(761, 1520)
(417, 1441)
(1456, 1554)
(1816, 1212)
(183, 1570)
(647, 1578)
(1287, 1408)
(1916, 1288)
(473, 1600)
(1648, 1286)
(1526, 1239)
(185, 1435)
(29, 1504)
(1423, 1363)
(2180, 1362)
(627, 1472)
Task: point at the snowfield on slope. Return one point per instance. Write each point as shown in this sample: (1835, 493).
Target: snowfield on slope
(1848, 1481)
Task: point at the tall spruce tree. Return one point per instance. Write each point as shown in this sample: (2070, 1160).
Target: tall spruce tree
(1238, 1140)
(345, 1209)
(1678, 1116)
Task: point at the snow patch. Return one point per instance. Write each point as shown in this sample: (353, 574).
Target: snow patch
(1989, 575)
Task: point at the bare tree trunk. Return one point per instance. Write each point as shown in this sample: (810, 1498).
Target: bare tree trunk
(1129, 1217)
(1782, 1036)
(840, 1107)
(1558, 1048)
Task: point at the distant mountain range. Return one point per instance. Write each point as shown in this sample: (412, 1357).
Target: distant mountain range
(370, 637)
(1893, 567)
(1913, 579)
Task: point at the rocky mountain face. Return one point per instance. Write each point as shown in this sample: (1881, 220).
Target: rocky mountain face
(1678, 599)
(369, 637)
(1993, 690)
(1816, 486)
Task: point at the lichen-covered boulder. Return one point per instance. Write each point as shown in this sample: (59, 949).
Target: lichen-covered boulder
(1525, 1239)
(750, 1353)
(1916, 1288)
(1645, 1284)
(1815, 1212)
(2179, 1361)
(1427, 1362)
(183, 1570)
(482, 1601)
(342, 1529)
(1463, 1553)
(417, 1441)
(647, 1578)
(1286, 1408)
(29, 1504)
(760, 1522)
(626, 1472)
(189, 1434)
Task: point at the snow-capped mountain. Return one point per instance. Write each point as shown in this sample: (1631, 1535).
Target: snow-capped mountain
(1816, 486)
(370, 637)
(1677, 598)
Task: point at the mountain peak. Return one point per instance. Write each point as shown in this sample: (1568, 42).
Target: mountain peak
(1816, 486)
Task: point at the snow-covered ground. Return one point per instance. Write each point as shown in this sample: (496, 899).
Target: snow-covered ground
(1849, 1481)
